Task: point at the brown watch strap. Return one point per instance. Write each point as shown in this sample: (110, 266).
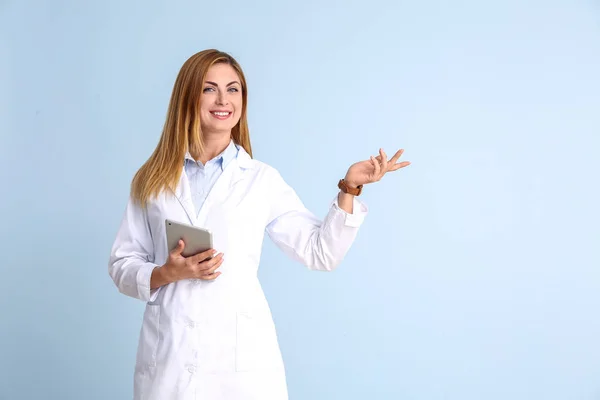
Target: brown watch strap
(350, 190)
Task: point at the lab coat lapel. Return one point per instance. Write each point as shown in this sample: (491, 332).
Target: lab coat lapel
(184, 196)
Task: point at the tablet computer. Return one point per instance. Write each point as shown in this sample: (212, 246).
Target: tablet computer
(196, 239)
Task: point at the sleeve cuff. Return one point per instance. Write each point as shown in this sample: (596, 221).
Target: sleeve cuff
(143, 282)
(359, 212)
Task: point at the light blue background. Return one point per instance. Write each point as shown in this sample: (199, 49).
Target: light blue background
(476, 275)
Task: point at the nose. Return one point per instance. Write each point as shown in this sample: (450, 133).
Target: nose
(221, 98)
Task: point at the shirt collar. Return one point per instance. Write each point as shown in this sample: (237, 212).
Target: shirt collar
(223, 159)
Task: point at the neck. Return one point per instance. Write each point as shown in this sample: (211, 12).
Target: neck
(214, 144)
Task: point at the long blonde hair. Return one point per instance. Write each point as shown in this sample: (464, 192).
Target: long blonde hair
(182, 129)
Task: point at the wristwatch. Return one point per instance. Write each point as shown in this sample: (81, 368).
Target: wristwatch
(350, 190)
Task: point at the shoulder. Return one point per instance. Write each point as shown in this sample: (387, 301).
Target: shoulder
(263, 166)
(260, 169)
(265, 170)
(256, 166)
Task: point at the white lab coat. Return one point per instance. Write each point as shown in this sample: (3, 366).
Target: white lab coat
(215, 340)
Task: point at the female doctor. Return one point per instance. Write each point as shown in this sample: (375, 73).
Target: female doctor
(207, 331)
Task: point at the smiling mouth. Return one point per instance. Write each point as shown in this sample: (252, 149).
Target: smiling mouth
(221, 114)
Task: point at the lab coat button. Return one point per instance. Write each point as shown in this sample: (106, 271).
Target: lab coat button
(191, 369)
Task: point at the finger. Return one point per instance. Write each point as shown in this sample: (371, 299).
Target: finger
(179, 249)
(376, 165)
(396, 156)
(208, 264)
(214, 268)
(200, 257)
(210, 277)
(384, 161)
(399, 165)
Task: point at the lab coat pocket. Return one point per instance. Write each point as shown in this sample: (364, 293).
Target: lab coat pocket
(149, 335)
(256, 344)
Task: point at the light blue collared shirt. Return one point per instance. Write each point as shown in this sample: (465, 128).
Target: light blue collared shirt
(203, 177)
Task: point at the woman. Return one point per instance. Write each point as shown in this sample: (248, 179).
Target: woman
(207, 331)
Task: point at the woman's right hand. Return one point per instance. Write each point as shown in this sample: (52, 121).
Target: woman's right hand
(178, 267)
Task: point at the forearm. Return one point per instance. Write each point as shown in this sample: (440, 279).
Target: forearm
(159, 278)
(345, 201)
(319, 245)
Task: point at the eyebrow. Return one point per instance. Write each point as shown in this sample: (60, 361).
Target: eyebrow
(229, 84)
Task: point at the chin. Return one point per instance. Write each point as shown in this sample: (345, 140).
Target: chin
(218, 128)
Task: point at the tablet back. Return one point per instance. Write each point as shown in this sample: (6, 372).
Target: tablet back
(196, 239)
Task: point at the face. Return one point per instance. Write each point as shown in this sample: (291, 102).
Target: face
(221, 99)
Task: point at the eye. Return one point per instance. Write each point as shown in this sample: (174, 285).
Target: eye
(208, 89)
(232, 89)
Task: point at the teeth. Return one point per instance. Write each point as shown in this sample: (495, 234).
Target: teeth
(221, 114)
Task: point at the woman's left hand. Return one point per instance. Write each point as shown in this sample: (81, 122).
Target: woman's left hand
(372, 170)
